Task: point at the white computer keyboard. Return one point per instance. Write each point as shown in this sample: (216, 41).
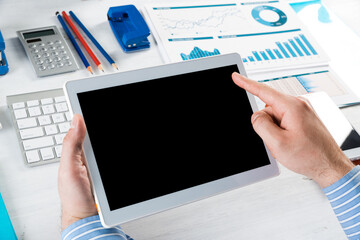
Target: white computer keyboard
(41, 120)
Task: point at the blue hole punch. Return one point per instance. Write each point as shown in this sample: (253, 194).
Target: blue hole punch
(129, 27)
(4, 67)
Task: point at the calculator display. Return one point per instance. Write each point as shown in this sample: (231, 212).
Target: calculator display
(41, 33)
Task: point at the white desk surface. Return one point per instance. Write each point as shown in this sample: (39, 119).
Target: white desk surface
(286, 207)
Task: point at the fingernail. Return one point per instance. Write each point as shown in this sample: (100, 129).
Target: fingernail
(254, 117)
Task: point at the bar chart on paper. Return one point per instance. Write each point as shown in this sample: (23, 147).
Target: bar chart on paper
(296, 47)
(266, 34)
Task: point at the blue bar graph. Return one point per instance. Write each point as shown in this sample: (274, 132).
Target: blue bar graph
(290, 49)
(257, 56)
(282, 49)
(278, 54)
(296, 47)
(302, 46)
(308, 44)
(272, 56)
(198, 53)
(263, 54)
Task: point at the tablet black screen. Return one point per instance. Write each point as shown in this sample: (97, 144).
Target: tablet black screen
(164, 135)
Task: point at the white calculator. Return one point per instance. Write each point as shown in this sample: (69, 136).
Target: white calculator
(47, 51)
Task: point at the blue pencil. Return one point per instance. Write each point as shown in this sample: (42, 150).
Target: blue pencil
(82, 56)
(96, 43)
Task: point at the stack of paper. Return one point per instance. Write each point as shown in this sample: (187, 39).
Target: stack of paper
(275, 46)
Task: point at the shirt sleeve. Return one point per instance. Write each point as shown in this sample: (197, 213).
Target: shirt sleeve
(91, 228)
(344, 197)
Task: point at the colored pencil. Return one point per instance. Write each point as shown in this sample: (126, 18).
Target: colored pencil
(73, 41)
(82, 40)
(96, 43)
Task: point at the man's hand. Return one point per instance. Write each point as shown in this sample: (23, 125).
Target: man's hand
(77, 200)
(295, 136)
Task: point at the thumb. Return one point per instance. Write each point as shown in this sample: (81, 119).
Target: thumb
(73, 141)
(266, 128)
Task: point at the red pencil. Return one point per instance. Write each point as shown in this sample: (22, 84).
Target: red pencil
(82, 40)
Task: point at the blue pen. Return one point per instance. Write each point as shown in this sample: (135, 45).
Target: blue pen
(82, 56)
(96, 43)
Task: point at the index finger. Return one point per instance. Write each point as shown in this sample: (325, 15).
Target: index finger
(267, 94)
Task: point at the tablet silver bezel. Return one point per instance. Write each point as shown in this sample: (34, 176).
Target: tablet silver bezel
(159, 204)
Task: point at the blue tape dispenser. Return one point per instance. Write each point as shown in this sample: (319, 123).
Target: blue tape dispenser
(129, 27)
(4, 67)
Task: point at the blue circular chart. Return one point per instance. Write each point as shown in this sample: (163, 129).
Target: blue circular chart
(256, 15)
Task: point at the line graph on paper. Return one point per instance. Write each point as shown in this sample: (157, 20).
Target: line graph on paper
(200, 20)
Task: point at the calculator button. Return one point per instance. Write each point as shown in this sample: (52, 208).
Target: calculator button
(66, 58)
(46, 54)
(42, 68)
(60, 47)
(57, 41)
(51, 66)
(32, 46)
(43, 49)
(37, 56)
(50, 43)
(54, 53)
(39, 62)
(68, 63)
(34, 51)
(60, 65)
(57, 59)
(52, 48)
(41, 44)
(48, 60)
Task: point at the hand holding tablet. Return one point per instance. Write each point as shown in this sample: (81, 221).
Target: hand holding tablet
(182, 131)
(178, 120)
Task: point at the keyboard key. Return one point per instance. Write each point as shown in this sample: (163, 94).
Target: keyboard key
(60, 99)
(68, 116)
(34, 111)
(61, 107)
(32, 103)
(44, 120)
(51, 129)
(32, 156)
(58, 118)
(18, 105)
(47, 153)
(58, 150)
(38, 143)
(26, 123)
(20, 113)
(31, 133)
(59, 138)
(64, 127)
(48, 109)
(45, 101)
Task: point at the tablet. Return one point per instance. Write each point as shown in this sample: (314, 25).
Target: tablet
(165, 136)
